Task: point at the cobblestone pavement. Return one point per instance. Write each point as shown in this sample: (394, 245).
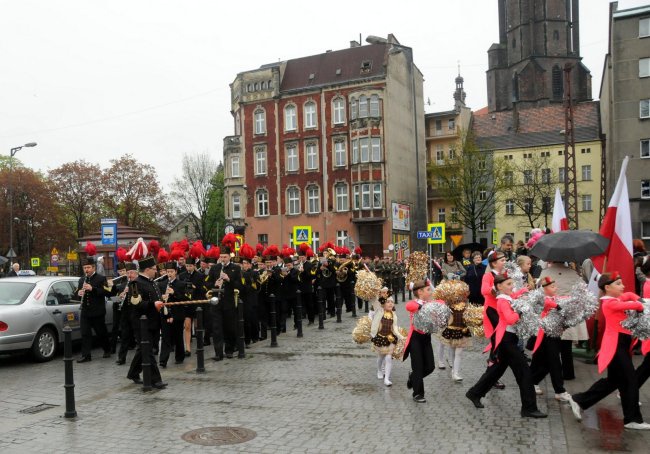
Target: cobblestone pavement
(310, 395)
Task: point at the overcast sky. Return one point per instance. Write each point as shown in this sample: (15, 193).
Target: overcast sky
(94, 80)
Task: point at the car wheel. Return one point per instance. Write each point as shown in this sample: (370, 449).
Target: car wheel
(45, 344)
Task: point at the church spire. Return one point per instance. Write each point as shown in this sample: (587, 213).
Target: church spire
(459, 94)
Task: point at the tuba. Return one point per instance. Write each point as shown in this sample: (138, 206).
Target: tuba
(342, 271)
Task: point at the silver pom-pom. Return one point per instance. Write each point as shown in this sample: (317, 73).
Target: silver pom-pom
(516, 275)
(529, 320)
(553, 324)
(534, 298)
(578, 306)
(638, 322)
(431, 317)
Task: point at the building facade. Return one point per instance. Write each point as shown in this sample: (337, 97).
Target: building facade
(333, 142)
(625, 109)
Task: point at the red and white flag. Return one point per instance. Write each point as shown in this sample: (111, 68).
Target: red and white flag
(560, 221)
(617, 227)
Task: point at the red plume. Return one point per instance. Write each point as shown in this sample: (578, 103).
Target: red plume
(328, 245)
(197, 249)
(272, 250)
(229, 240)
(121, 254)
(303, 247)
(163, 255)
(213, 252)
(90, 249)
(309, 252)
(154, 247)
(358, 250)
(287, 251)
(259, 248)
(246, 251)
(176, 254)
(184, 245)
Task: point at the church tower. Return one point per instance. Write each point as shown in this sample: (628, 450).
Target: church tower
(537, 38)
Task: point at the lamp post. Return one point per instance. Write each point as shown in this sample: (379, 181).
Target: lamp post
(29, 228)
(396, 48)
(11, 254)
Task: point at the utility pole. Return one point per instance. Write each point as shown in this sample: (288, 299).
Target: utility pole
(570, 178)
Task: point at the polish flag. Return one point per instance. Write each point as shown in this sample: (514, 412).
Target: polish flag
(560, 221)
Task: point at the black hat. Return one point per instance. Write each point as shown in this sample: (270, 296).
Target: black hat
(130, 266)
(288, 260)
(147, 262)
(226, 249)
(171, 265)
(90, 261)
(120, 266)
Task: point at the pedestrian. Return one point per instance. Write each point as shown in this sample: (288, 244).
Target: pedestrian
(418, 343)
(15, 267)
(93, 290)
(384, 332)
(474, 279)
(614, 355)
(451, 268)
(509, 354)
(173, 317)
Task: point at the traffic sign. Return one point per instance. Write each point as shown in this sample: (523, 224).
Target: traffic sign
(239, 241)
(52, 269)
(424, 234)
(11, 254)
(72, 256)
(54, 251)
(495, 236)
(36, 262)
(109, 233)
(437, 230)
(301, 234)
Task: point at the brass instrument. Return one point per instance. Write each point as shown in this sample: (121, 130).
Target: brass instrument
(264, 276)
(342, 271)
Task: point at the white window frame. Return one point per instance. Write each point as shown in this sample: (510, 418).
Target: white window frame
(644, 108)
(338, 111)
(451, 124)
(366, 201)
(644, 143)
(645, 186)
(453, 215)
(377, 199)
(341, 236)
(260, 162)
(364, 149)
(311, 156)
(586, 172)
(374, 110)
(375, 149)
(585, 201)
(451, 152)
(561, 174)
(355, 151)
(262, 203)
(356, 197)
(442, 215)
(510, 207)
(644, 27)
(234, 167)
(290, 118)
(440, 154)
(236, 206)
(313, 199)
(528, 177)
(342, 199)
(353, 108)
(482, 225)
(645, 230)
(311, 117)
(509, 177)
(482, 195)
(293, 200)
(315, 241)
(644, 67)
(363, 106)
(292, 160)
(260, 121)
(546, 176)
(340, 154)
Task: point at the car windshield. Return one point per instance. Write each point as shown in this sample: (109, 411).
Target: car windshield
(13, 293)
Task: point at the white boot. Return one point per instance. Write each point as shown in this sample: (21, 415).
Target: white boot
(455, 374)
(441, 356)
(389, 366)
(380, 366)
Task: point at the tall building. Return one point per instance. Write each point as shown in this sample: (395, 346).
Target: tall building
(625, 109)
(333, 142)
(536, 40)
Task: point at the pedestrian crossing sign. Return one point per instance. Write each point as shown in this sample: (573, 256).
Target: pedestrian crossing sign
(438, 233)
(301, 234)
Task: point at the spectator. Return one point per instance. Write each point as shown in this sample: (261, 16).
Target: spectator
(467, 258)
(474, 278)
(521, 248)
(525, 263)
(14, 270)
(506, 247)
(451, 268)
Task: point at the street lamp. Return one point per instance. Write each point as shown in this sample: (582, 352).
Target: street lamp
(11, 254)
(396, 48)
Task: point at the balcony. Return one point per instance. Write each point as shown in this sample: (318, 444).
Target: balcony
(444, 133)
(434, 193)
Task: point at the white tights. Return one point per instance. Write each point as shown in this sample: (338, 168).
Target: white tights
(454, 356)
(385, 365)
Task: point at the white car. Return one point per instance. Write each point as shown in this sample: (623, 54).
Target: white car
(34, 310)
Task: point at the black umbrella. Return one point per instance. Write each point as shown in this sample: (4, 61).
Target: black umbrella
(569, 246)
(3, 260)
(458, 251)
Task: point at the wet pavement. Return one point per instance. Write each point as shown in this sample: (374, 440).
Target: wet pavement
(316, 394)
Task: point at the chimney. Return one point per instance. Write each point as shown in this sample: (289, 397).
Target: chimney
(354, 44)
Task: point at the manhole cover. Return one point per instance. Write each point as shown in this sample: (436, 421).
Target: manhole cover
(217, 436)
(37, 408)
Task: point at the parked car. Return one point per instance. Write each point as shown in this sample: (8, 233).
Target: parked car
(34, 310)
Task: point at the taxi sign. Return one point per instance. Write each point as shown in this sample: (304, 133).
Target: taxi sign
(437, 230)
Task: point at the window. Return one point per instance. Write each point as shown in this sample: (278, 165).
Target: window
(645, 189)
(645, 148)
(509, 177)
(340, 156)
(510, 207)
(586, 173)
(341, 236)
(482, 225)
(376, 196)
(585, 150)
(451, 124)
(60, 293)
(528, 206)
(365, 196)
(363, 106)
(454, 215)
(482, 195)
(338, 109)
(263, 238)
(546, 176)
(365, 151)
(645, 230)
(236, 206)
(528, 177)
(293, 200)
(375, 145)
(263, 85)
(374, 106)
(644, 27)
(310, 115)
(313, 199)
(311, 156)
(356, 201)
(440, 155)
(262, 203)
(260, 162)
(560, 152)
(292, 158)
(644, 108)
(481, 163)
(453, 181)
(557, 82)
(290, 120)
(234, 166)
(237, 124)
(260, 122)
(315, 241)
(353, 108)
(561, 174)
(341, 193)
(546, 154)
(586, 202)
(441, 215)
(452, 152)
(438, 127)
(355, 151)
(546, 204)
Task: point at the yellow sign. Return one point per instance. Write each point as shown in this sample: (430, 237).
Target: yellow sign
(52, 269)
(55, 251)
(456, 239)
(301, 234)
(495, 236)
(239, 241)
(72, 256)
(35, 262)
(438, 236)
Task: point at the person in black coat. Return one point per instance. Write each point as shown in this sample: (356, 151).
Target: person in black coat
(474, 278)
(173, 317)
(13, 272)
(224, 315)
(93, 290)
(306, 274)
(249, 293)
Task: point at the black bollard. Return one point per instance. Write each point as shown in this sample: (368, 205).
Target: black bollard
(70, 411)
(365, 306)
(145, 351)
(353, 298)
(320, 299)
(298, 314)
(200, 366)
(115, 331)
(410, 296)
(274, 322)
(241, 340)
(403, 294)
(339, 303)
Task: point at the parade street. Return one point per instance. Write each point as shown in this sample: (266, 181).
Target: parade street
(315, 394)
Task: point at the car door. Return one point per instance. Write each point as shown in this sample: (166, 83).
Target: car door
(60, 303)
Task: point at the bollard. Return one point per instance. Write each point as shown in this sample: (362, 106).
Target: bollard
(320, 299)
(410, 296)
(241, 340)
(365, 306)
(403, 293)
(274, 327)
(115, 331)
(145, 352)
(339, 302)
(200, 366)
(298, 314)
(353, 298)
(70, 411)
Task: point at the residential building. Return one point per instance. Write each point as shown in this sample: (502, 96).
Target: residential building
(333, 141)
(625, 109)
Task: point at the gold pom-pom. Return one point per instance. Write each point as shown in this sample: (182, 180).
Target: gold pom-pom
(473, 318)
(361, 332)
(368, 285)
(417, 267)
(451, 291)
(398, 352)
